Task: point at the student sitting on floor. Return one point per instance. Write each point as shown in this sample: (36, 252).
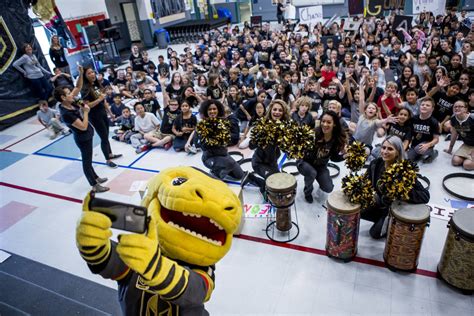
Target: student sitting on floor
(51, 120)
(302, 116)
(462, 124)
(144, 123)
(126, 122)
(164, 136)
(151, 104)
(183, 127)
(116, 108)
(426, 132)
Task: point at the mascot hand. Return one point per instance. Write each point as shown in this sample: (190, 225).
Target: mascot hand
(141, 252)
(92, 235)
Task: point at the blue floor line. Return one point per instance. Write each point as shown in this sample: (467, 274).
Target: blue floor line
(120, 166)
(140, 157)
(57, 140)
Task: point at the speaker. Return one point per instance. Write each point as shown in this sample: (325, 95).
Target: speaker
(91, 33)
(103, 24)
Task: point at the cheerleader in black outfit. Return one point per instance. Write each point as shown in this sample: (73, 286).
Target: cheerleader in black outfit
(265, 160)
(391, 151)
(329, 143)
(217, 158)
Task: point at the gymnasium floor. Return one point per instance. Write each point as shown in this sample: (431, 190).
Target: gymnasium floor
(42, 186)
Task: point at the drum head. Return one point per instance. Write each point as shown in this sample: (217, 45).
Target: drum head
(280, 182)
(460, 185)
(463, 220)
(411, 213)
(339, 202)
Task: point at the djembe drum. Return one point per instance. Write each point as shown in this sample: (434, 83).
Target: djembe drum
(456, 266)
(281, 192)
(343, 227)
(405, 235)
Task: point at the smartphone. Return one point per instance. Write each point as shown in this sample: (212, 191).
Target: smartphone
(128, 217)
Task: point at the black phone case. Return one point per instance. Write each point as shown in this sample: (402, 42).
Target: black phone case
(131, 218)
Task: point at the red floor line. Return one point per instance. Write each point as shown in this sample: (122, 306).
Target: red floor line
(53, 195)
(23, 139)
(244, 237)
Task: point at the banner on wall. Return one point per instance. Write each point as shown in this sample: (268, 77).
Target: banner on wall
(435, 6)
(311, 15)
(374, 8)
(356, 7)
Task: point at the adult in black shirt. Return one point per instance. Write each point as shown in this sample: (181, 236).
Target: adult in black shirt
(91, 92)
(136, 59)
(56, 53)
(81, 129)
(280, 9)
(329, 142)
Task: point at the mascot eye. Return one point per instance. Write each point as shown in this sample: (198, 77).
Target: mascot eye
(178, 181)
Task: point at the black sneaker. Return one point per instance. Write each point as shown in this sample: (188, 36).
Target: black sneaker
(115, 137)
(101, 180)
(308, 198)
(432, 157)
(111, 164)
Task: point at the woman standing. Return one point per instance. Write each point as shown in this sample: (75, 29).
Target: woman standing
(330, 140)
(92, 93)
(31, 69)
(57, 55)
(81, 129)
(392, 151)
(136, 59)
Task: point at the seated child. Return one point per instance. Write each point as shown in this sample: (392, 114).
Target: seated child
(302, 115)
(151, 104)
(116, 108)
(144, 123)
(462, 124)
(259, 113)
(51, 120)
(126, 122)
(183, 127)
(164, 136)
(425, 133)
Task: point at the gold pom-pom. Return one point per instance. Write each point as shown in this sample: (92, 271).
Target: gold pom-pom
(214, 131)
(359, 190)
(297, 140)
(267, 132)
(398, 180)
(356, 156)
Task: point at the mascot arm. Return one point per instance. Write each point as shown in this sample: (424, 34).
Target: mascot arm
(199, 289)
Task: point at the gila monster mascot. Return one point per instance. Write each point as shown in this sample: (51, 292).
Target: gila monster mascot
(170, 269)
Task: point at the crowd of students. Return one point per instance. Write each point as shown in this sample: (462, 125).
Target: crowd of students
(414, 84)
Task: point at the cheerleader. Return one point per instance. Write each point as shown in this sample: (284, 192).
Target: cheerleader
(330, 139)
(392, 151)
(216, 158)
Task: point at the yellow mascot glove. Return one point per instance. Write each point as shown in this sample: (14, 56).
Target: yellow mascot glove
(141, 252)
(143, 255)
(93, 235)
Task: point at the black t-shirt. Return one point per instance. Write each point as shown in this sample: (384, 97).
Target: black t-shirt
(322, 152)
(249, 107)
(317, 101)
(91, 93)
(424, 130)
(168, 119)
(404, 132)
(306, 120)
(444, 105)
(465, 129)
(181, 122)
(215, 92)
(454, 73)
(164, 70)
(326, 98)
(151, 105)
(280, 9)
(233, 104)
(174, 93)
(136, 62)
(69, 117)
(120, 81)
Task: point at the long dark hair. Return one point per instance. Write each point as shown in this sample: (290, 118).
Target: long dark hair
(89, 87)
(338, 133)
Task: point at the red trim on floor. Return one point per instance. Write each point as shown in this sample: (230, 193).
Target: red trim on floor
(19, 141)
(320, 252)
(56, 196)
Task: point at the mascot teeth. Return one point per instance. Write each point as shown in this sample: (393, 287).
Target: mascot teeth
(199, 236)
(215, 224)
(191, 214)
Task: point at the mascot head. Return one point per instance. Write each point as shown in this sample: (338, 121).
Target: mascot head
(196, 214)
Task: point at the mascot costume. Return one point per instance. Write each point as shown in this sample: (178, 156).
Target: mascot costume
(170, 269)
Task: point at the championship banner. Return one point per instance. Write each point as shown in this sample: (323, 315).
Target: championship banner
(311, 15)
(435, 6)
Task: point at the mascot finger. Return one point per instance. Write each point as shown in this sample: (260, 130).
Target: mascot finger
(93, 229)
(137, 251)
